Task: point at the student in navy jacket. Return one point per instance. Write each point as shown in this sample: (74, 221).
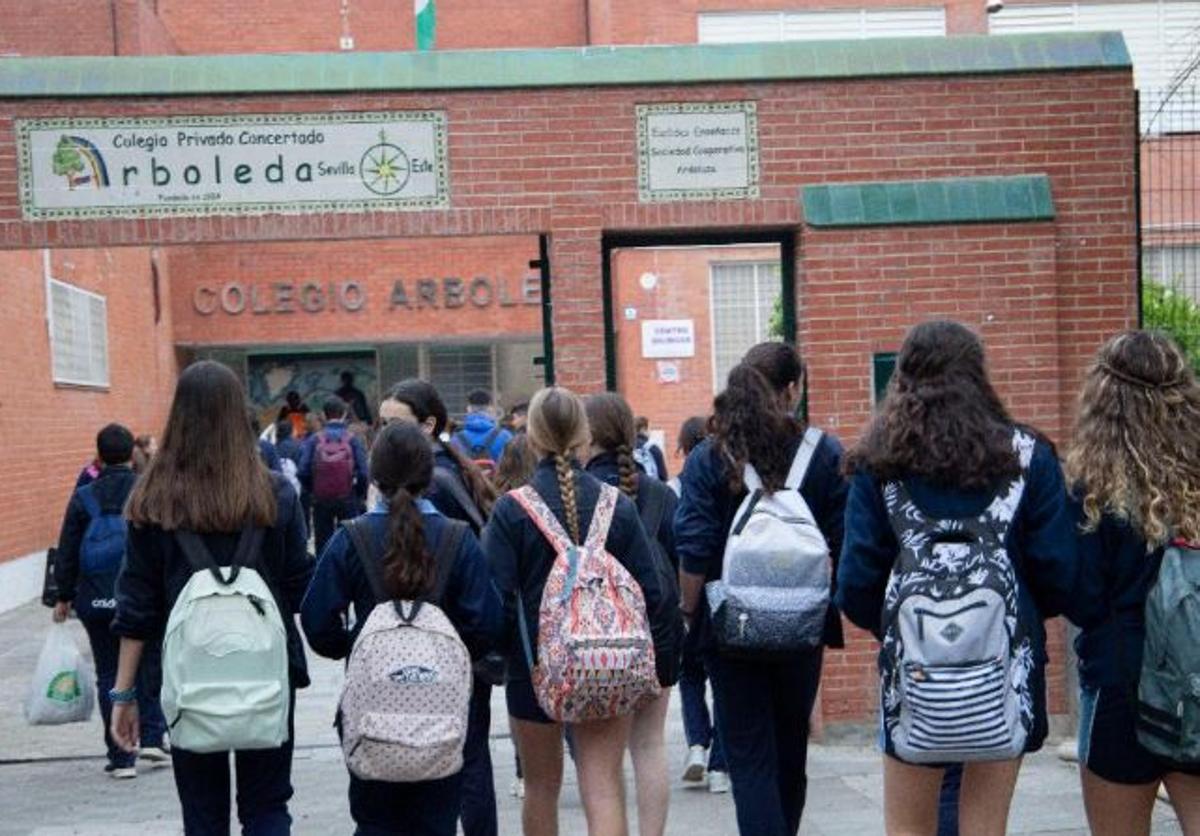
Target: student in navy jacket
(521, 558)
(209, 479)
(613, 437)
(408, 530)
(106, 494)
(762, 706)
(460, 491)
(1135, 464)
(943, 433)
(327, 512)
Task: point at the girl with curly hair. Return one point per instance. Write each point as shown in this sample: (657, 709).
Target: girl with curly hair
(1135, 468)
(762, 704)
(944, 438)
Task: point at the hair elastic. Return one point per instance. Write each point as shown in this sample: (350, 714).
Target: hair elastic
(1137, 381)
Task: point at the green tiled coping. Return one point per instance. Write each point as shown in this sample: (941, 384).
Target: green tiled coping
(520, 68)
(952, 200)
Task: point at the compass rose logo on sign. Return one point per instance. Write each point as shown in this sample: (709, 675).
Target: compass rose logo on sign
(385, 168)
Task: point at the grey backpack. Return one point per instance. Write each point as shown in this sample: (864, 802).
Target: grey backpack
(773, 595)
(407, 694)
(956, 658)
(1168, 722)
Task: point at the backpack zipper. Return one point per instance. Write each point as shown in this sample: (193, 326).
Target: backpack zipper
(922, 612)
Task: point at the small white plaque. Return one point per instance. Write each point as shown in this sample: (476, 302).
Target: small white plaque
(697, 151)
(665, 339)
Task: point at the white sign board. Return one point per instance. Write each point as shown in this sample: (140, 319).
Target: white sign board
(697, 151)
(233, 165)
(664, 339)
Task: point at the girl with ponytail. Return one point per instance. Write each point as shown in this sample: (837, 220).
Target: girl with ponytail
(613, 439)
(521, 559)
(762, 705)
(414, 545)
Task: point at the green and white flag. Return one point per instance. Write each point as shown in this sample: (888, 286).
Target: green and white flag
(426, 17)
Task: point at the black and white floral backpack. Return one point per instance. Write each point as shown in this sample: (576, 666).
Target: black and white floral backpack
(956, 658)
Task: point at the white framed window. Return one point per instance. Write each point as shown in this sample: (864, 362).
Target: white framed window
(1175, 265)
(78, 322)
(742, 296)
(844, 24)
(1160, 35)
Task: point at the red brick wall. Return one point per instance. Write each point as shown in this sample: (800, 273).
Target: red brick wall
(55, 27)
(376, 265)
(52, 429)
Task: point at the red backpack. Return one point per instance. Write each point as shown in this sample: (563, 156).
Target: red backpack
(333, 467)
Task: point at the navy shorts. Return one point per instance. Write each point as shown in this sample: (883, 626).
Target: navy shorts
(1108, 743)
(522, 702)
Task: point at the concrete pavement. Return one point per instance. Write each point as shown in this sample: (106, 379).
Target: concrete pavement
(52, 784)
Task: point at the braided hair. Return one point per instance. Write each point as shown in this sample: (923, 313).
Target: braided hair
(612, 425)
(558, 427)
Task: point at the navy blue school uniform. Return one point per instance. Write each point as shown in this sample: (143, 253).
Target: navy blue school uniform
(327, 513)
(521, 557)
(109, 489)
(1117, 572)
(1040, 543)
(473, 606)
(479, 784)
(762, 706)
(155, 571)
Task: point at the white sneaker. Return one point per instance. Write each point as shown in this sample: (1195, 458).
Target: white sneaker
(718, 782)
(694, 766)
(155, 756)
(123, 773)
(517, 790)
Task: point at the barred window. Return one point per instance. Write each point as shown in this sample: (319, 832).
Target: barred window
(78, 335)
(742, 295)
(458, 370)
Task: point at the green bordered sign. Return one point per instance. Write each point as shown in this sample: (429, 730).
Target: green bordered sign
(291, 163)
(697, 151)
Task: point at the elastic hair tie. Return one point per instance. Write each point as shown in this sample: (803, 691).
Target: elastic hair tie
(1137, 381)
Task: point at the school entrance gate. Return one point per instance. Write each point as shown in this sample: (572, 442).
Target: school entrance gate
(986, 179)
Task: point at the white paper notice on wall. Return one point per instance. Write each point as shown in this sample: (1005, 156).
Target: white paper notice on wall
(665, 339)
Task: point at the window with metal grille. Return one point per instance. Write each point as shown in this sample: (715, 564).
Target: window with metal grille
(457, 370)
(1175, 266)
(78, 335)
(844, 24)
(742, 296)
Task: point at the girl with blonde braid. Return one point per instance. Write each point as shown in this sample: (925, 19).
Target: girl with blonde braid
(521, 558)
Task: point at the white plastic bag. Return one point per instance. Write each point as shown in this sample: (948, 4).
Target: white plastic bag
(63, 688)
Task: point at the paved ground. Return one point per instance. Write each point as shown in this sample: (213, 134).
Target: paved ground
(51, 783)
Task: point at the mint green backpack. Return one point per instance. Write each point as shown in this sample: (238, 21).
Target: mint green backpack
(225, 659)
(1168, 723)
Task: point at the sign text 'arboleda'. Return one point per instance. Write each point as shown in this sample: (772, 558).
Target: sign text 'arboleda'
(233, 165)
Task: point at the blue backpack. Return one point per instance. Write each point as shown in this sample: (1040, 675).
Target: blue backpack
(100, 555)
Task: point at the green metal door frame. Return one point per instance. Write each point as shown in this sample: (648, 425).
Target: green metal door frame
(785, 238)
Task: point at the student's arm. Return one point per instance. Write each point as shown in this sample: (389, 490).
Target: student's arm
(323, 611)
(500, 543)
(298, 566)
(304, 468)
(141, 586)
(471, 599)
(660, 461)
(699, 534)
(826, 490)
(1047, 541)
(666, 529)
(1097, 554)
(66, 562)
(869, 549)
(631, 547)
(362, 478)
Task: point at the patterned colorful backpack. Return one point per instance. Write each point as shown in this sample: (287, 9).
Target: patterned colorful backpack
(595, 653)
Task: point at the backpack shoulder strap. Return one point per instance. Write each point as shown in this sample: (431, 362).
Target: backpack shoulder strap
(200, 558)
(804, 457)
(652, 512)
(445, 556)
(90, 504)
(446, 480)
(602, 517)
(543, 517)
(368, 557)
(491, 437)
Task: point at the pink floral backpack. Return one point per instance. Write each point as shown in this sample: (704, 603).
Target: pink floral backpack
(595, 654)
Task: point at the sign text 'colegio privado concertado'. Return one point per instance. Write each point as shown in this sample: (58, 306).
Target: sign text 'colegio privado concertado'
(233, 165)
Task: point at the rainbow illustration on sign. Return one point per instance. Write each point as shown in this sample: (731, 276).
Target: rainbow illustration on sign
(74, 157)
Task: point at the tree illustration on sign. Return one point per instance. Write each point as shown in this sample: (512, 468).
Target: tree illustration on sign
(68, 162)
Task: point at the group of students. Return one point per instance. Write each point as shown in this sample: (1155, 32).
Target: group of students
(948, 531)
